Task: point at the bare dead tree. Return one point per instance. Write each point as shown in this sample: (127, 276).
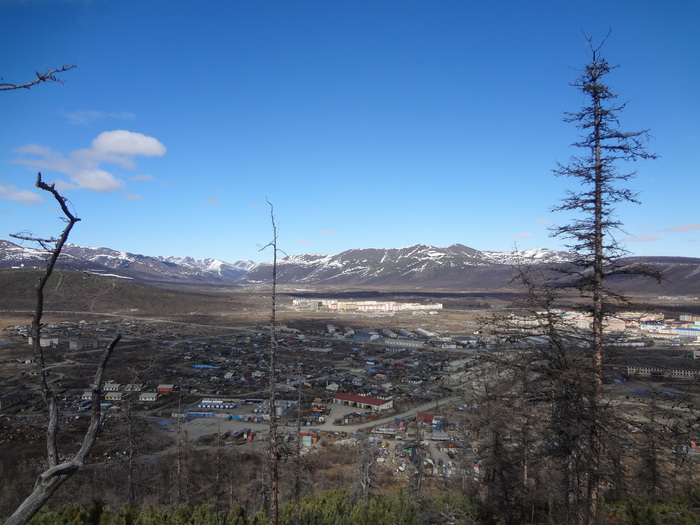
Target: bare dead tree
(591, 235)
(366, 470)
(57, 472)
(131, 451)
(297, 451)
(133, 435)
(50, 75)
(179, 468)
(273, 452)
(565, 367)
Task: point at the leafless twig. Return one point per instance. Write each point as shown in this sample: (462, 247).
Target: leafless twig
(48, 76)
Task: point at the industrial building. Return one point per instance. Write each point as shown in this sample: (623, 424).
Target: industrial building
(373, 404)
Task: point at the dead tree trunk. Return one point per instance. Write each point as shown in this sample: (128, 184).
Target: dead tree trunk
(57, 473)
(273, 450)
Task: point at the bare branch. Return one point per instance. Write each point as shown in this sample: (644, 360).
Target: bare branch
(48, 76)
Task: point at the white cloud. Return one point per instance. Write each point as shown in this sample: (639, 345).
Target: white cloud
(83, 166)
(125, 142)
(213, 201)
(52, 160)
(302, 241)
(522, 235)
(95, 180)
(143, 178)
(642, 238)
(683, 228)
(86, 116)
(22, 196)
(133, 196)
(327, 232)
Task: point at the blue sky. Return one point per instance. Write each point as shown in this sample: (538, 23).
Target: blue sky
(365, 123)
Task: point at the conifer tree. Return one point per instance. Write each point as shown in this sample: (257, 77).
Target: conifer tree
(604, 146)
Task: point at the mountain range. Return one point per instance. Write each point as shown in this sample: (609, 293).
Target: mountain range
(455, 267)
(140, 268)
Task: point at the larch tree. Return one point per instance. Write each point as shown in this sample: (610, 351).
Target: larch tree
(604, 146)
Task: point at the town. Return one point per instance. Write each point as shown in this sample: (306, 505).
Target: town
(399, 376)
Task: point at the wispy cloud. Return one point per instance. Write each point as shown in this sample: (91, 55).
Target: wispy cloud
(87, 116)
(254, 205)
(133, 196)
(143, 178)
(327, 232)
(83, 166)
(522, 235)
(302, 241)
(543, 222)
(642, 238)
(22, 196)
(214, 201)
(683, 228)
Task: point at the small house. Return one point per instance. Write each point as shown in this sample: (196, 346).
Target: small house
(148, 397)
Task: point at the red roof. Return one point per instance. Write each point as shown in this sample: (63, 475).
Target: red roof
(361, 399)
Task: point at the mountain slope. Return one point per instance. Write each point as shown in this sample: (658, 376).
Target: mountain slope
(419, 265)
(144, 268)
(680, 276)
(455, 267)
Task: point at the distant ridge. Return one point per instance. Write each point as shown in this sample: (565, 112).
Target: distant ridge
(140, 268)
(418, 265)
(456, 267)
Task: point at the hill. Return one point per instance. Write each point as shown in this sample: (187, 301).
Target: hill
(453, 268)
(82, 292)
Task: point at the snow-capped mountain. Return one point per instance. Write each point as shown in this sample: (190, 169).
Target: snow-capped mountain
(538, 255)
(160, 266)
(134, 266)
(15, 256)
(456, 265)
(420, 266)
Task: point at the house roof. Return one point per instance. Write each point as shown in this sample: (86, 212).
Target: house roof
(361, 399)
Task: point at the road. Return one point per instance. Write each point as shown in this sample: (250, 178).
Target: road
(199, 427)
